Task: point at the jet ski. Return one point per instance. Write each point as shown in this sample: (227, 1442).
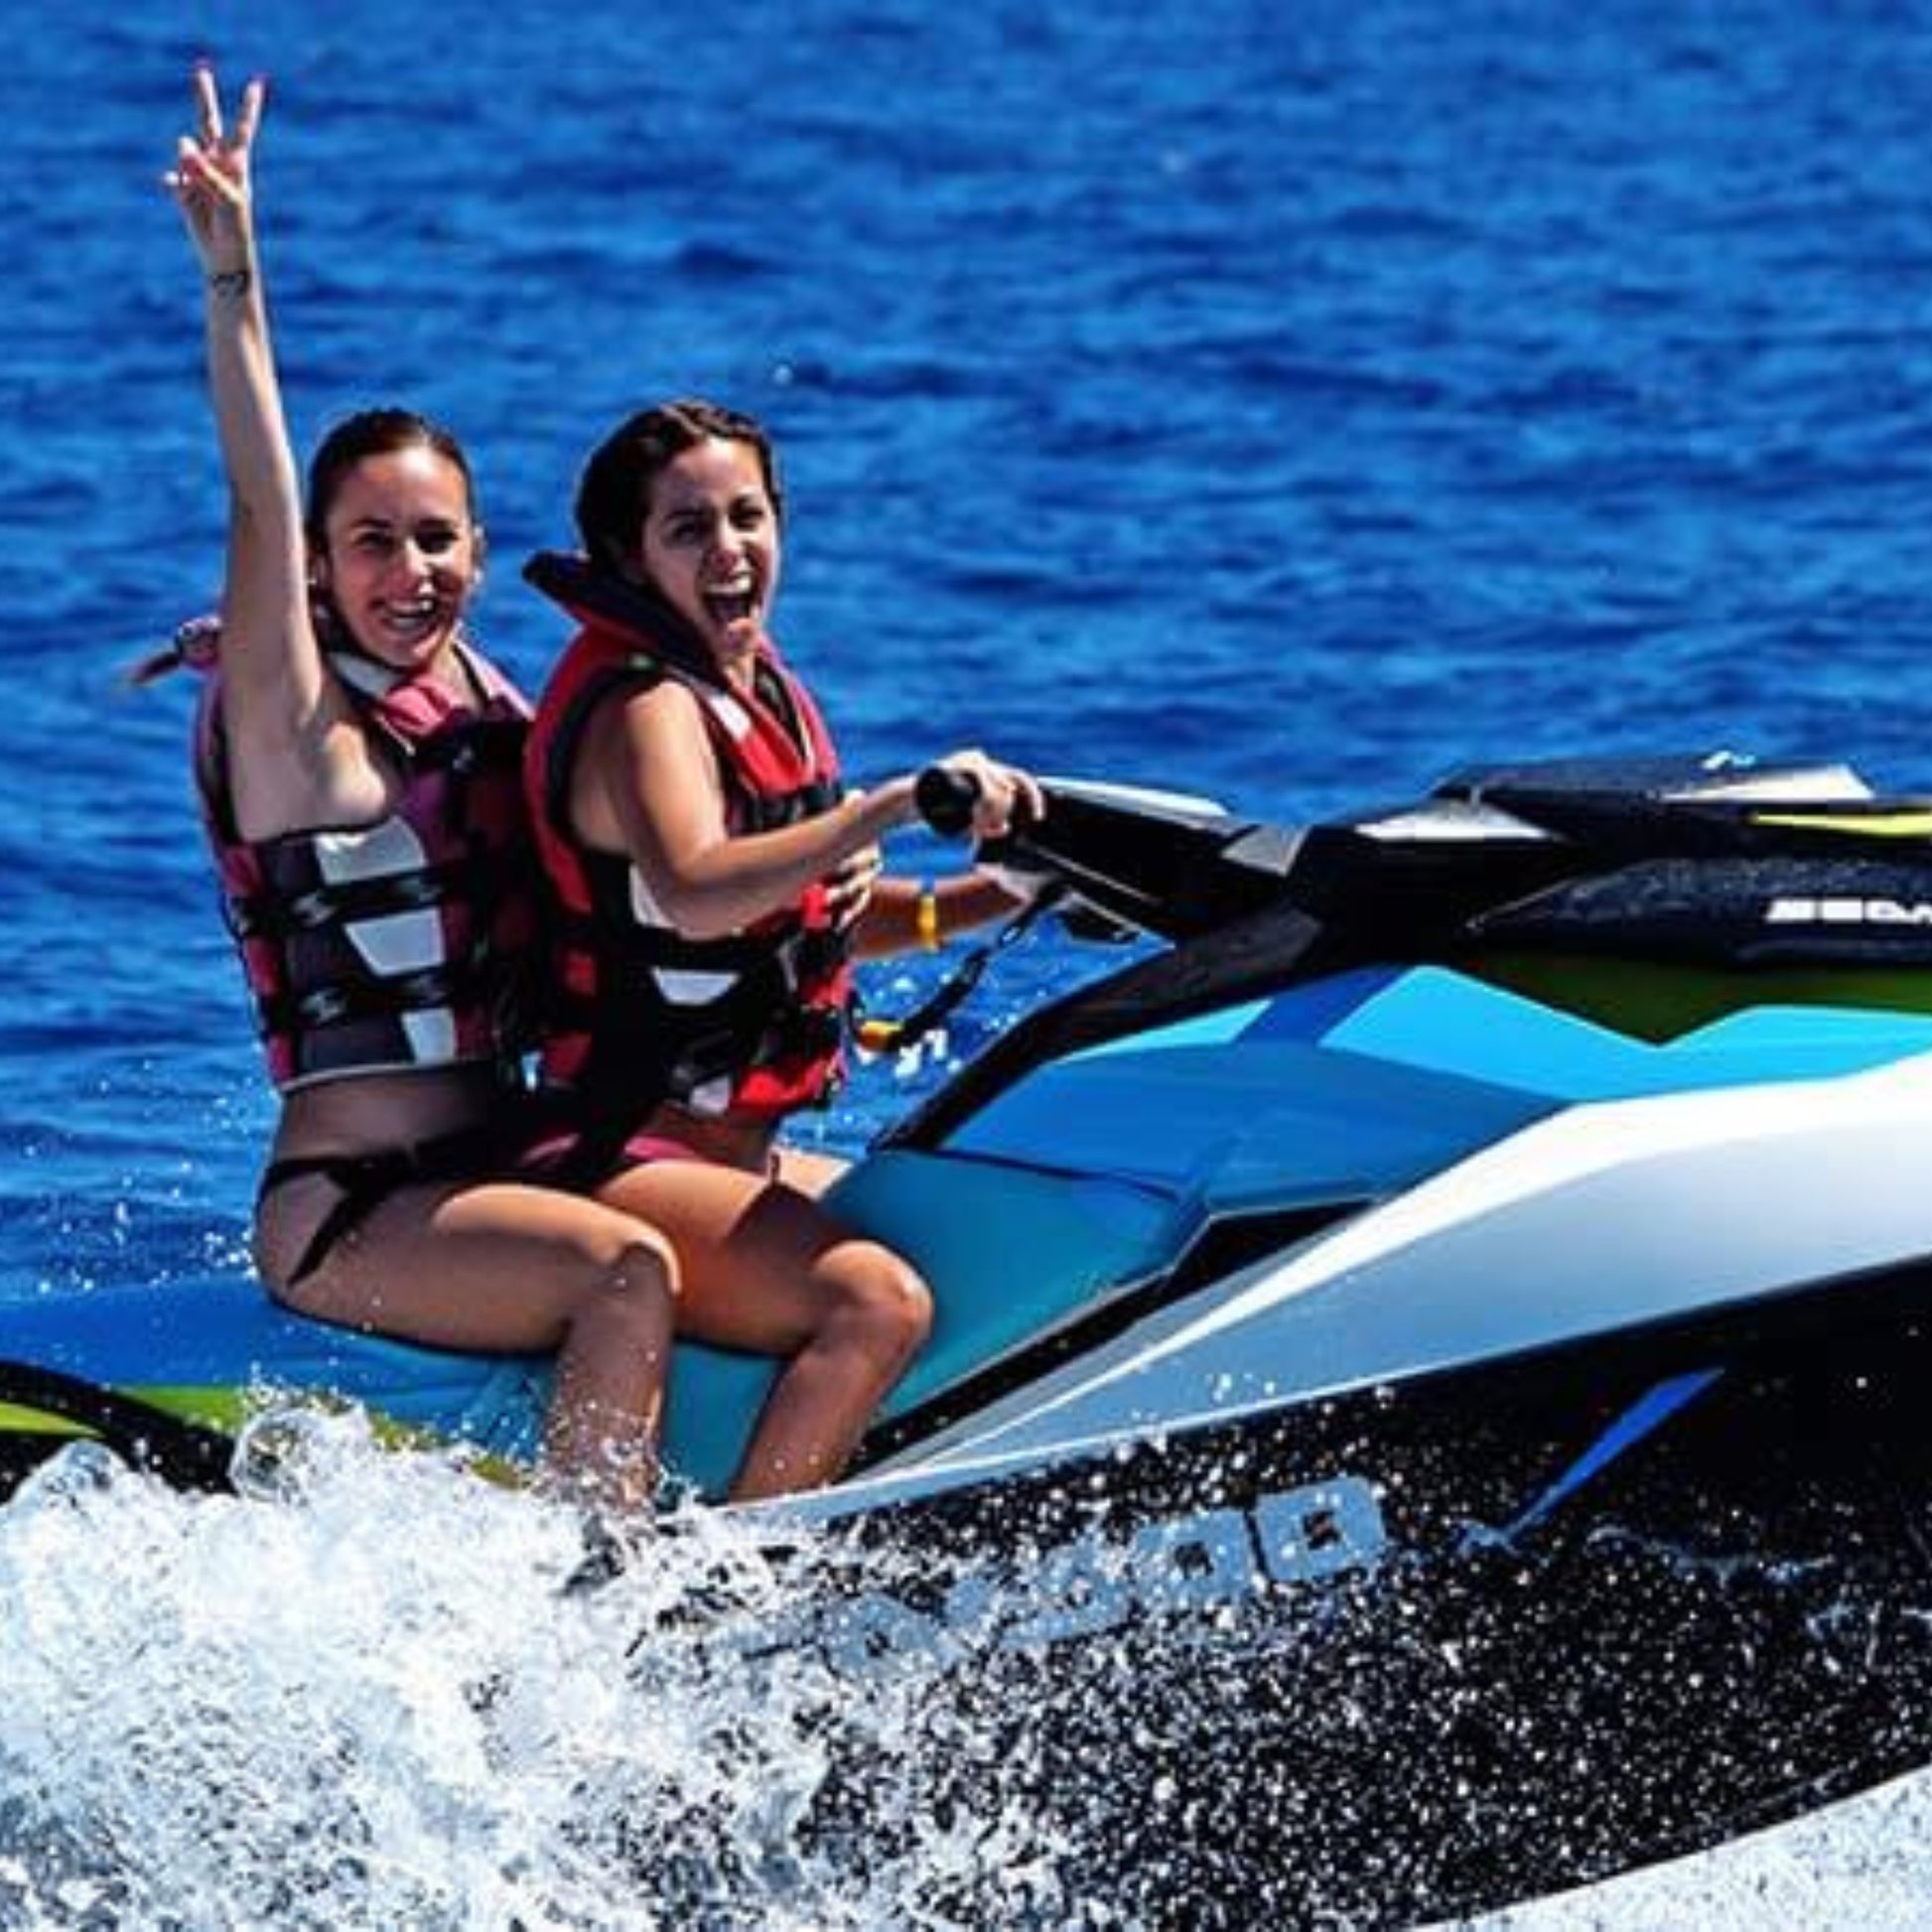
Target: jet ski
(1428, 1398)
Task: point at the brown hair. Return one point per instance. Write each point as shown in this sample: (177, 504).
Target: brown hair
(613, 493)
(374, 432)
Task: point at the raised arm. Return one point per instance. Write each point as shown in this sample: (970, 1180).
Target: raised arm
(286, 722)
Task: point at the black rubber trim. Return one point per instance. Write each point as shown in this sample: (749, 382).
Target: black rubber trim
(182, 1454)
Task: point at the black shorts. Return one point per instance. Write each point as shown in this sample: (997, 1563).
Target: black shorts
(365, 1180)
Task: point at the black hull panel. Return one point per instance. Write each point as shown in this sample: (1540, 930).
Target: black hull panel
(1405, 1653)
(1418, 1652)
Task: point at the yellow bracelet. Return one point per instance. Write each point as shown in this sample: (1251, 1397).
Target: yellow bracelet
(926, 920)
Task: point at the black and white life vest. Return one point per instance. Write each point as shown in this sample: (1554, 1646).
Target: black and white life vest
(410, 942)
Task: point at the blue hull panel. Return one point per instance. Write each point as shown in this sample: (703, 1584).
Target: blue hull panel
(1088, 1175)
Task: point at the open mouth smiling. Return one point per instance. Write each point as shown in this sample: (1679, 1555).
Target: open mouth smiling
(416, 618)
(727, 608)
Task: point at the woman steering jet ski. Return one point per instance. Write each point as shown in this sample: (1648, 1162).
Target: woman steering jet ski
(358, 760)
(713, 880)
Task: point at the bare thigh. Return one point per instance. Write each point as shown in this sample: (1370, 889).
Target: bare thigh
(760, 1264)
(491, 1265)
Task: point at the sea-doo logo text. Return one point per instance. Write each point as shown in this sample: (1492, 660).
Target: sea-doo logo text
(1191, 1564)
(1849, 911)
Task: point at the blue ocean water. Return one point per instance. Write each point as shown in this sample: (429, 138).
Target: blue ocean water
(1284, 403)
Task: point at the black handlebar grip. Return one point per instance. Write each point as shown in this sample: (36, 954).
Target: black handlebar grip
(945, 799)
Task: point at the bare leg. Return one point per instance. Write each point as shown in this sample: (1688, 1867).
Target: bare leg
(506, 1268)
(764, 1268)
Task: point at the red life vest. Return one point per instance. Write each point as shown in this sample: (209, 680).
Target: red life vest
(747, 1027)
(410, 942)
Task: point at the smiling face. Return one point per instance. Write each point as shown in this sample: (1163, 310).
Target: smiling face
(710, 543)
(400, 555)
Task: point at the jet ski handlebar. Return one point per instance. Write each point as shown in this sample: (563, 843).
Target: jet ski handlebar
(1175, 866)
(945, 797)
(1126, 853)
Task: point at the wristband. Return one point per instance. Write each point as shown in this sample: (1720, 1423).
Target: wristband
(925, 922)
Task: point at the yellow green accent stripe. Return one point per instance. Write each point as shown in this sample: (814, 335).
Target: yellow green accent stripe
(223, 1409)
(1876, 825)
(227, 1409)
(15, 1421)
(1654, 1001)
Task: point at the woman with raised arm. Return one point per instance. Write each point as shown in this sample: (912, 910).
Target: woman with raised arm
(712, 878)
(360, 766)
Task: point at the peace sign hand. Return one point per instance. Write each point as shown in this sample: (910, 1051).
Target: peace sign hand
(210, 180)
